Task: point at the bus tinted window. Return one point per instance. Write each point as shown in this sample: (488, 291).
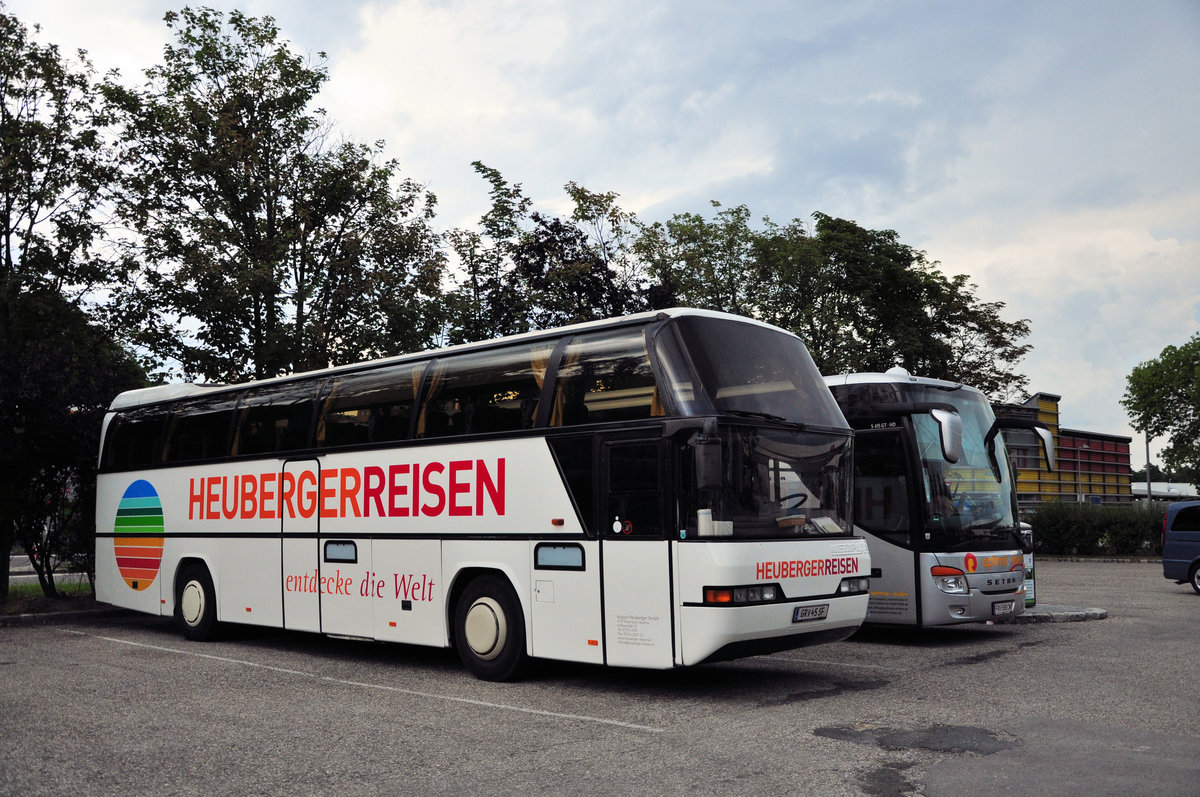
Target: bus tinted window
(369, 407)
(275, 419)
(605, 377)
(574, 456)
(880, 488)
(633, 494)
(134, 439)
(489, 391)
(749, 369)
(200, 429)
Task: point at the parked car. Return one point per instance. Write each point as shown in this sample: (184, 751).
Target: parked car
(1181, 543)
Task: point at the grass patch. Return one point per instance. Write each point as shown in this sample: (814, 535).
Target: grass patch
(28, 598)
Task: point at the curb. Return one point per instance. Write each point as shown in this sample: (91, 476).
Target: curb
(1059, 614)
(51, 618)
(1137, 560)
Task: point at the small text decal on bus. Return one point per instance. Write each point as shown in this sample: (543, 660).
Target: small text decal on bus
(459, 488)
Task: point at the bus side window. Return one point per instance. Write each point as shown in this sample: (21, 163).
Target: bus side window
(275, 419)
(574, 458)
(605, 377)
(134, 439)
(633, 495)
(488, 391)
(200, 428)
(368, 407)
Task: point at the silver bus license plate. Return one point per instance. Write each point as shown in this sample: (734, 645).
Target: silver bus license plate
(1003, 607)
(804, 613)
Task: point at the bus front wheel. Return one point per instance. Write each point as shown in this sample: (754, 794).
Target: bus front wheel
(196, 604)
(489, 630)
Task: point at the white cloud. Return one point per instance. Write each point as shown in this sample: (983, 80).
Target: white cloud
(118, 34)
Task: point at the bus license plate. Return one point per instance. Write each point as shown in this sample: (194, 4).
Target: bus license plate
(1003, 607)
(805, 613)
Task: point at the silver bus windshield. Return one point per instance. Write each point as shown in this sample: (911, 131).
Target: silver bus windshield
(968, 501)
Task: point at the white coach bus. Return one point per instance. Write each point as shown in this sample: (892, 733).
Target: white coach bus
(935, 496)
(652, 491)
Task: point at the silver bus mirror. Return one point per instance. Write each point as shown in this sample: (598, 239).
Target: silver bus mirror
(1047, 440)
(951, 432)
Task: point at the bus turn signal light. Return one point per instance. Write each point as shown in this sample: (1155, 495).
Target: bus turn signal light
(760, 593)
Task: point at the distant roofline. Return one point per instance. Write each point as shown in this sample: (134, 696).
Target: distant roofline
(1052, 396)
(1084, 433)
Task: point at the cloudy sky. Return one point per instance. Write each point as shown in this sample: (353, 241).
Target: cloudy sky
(1046, 149)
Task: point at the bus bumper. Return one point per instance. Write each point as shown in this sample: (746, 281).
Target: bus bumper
(719, 633)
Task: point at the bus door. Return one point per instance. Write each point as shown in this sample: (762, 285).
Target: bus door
(635, 553)
(301, 571)
(566, 603)
(884, 501)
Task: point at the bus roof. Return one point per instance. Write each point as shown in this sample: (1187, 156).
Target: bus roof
(895, 376)
(171, 392)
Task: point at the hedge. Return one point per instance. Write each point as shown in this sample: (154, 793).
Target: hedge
(1085, 530)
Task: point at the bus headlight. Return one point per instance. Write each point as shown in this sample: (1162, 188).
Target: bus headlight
(950, 580)
(740, 596)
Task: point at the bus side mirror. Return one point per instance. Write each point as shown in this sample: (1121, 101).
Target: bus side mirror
(951, 432)
(707, 445)
(1047, 445)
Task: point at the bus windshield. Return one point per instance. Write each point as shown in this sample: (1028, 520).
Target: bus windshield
(776, 483)
(759, 372)
(970, 500)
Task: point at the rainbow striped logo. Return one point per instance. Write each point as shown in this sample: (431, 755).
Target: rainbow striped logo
(138, 535)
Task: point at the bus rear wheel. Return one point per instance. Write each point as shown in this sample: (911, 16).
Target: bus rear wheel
(196, 604)
(489, 630)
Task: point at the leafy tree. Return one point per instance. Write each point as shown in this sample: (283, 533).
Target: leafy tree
(485, 300)
(564, 279)
(1162, 397)
(57, 370)
(53, 165)
(259, 246)
(701, 263)
(861, 299)
(796, 286)
(891, 287)
(58, 374)
(611, 235)
(984, 349)
(525, 270)
(1157, 474)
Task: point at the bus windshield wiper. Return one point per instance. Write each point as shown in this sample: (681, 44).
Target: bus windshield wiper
(767, 417)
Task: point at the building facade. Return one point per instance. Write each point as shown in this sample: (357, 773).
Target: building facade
(1091, 467)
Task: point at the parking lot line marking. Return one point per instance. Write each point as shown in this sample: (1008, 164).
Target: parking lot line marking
(362, 684)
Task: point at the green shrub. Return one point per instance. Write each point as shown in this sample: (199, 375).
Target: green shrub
(1086, 530)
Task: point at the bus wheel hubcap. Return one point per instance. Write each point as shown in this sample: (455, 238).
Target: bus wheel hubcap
(191, 602)
(485, 628)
